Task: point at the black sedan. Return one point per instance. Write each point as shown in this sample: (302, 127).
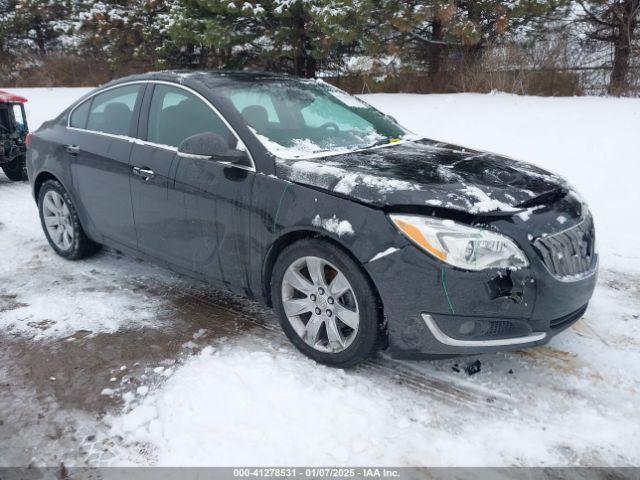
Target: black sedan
(360, 234)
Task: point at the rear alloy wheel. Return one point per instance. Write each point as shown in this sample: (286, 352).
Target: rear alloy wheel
(326, 305)
(61, 223)
(16, 170)
(57, 220)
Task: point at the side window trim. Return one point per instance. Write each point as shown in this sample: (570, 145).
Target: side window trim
(144, 92)
(137, 111)
(86, 120)
(145, 109)
(135, 114)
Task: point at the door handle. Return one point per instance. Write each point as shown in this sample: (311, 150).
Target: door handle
(73, 149)
(144, 173)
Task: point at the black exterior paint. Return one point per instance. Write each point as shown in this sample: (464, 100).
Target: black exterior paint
(427, 173)
(225, 223)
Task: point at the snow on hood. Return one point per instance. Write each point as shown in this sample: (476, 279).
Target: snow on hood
(426, 172)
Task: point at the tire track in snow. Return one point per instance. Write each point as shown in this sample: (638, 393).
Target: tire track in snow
(258, 318)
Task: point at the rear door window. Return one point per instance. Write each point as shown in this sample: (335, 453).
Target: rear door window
(112, 111)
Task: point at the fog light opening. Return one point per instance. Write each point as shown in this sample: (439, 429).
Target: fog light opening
(467, 327)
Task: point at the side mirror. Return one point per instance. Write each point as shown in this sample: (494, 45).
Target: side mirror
(210, 145)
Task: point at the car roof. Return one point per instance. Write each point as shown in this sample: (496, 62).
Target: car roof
(196, 79)
(208, 78)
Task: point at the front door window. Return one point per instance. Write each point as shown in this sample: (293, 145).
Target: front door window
(177, 114)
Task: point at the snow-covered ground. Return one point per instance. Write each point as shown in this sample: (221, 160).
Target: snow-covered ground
(115, 361)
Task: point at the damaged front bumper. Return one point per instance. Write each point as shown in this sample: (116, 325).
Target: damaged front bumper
(446, 339)
(434, 310)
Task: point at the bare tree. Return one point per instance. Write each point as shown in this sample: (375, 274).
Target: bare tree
(616, 23)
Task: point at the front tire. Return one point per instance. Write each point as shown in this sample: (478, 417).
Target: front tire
(326, 304)
(16, 169)
(61, 224)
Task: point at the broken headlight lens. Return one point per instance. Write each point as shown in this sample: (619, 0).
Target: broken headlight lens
(460, 245)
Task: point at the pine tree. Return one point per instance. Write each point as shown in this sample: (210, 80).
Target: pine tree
(296, 36)
(129, 34)
(33, 25)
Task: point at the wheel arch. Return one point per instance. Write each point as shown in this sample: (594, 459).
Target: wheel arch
(292, 237)
(85, 221)
(39, 181)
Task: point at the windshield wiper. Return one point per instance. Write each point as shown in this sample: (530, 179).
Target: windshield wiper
(386, 141)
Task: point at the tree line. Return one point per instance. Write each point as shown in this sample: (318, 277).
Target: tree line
(437, 45)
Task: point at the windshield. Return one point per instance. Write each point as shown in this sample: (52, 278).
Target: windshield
(295, 119)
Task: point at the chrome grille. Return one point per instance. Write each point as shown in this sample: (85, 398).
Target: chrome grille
(569, 253)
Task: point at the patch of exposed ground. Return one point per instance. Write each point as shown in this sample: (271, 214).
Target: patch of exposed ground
(75, 373)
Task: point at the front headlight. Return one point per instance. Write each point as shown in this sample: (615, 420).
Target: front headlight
(460, 245)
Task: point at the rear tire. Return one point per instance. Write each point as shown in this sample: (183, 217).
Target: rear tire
(333, 328)
(61, 224)
(16, 170)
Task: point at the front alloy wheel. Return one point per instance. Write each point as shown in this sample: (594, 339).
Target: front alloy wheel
(320, 304)
(327, 305)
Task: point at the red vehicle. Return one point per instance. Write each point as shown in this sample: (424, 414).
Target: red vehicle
(13, 135)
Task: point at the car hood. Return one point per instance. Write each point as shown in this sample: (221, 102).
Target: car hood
(430, 173)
